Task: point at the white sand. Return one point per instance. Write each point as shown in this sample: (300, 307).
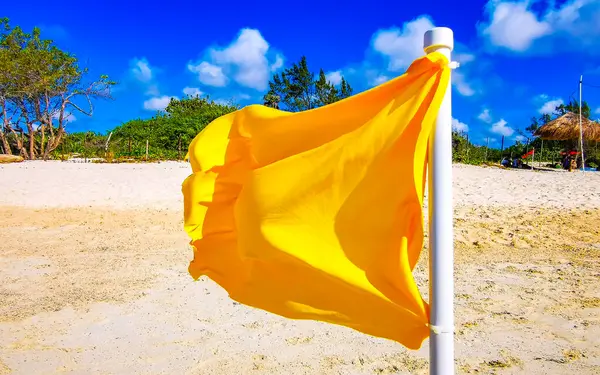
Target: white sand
(98, 284)
(68, 184)
(61, 184)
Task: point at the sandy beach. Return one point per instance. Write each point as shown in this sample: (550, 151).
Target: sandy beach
(94, 281)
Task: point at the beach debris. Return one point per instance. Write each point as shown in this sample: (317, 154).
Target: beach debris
(5, 158)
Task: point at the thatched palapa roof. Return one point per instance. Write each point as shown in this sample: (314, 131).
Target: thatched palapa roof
(566, 127)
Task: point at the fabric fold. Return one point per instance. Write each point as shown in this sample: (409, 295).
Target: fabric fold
(318, 214)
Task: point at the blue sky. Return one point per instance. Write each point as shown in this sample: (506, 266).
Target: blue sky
(518, 58)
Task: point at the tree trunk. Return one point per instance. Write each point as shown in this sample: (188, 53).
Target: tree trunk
(21, 145)
(3, 130)
(31, 142)
(19, 139)
(43, 129)
(53, 143)
(5, 144)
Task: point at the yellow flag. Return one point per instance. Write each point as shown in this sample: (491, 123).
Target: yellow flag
(318, 214)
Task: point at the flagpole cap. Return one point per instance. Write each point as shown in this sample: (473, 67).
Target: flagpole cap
(438, 37)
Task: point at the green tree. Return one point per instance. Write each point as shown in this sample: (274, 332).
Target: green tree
(272, 100)
(10, 124)
(535, 124)
(297, 89)
(325, 91)
(545, 118)
(573, 106)
(198, 107)
(169, 132)
(42, 86)
(345, 89)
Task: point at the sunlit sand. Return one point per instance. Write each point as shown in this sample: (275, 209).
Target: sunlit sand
(94, 281)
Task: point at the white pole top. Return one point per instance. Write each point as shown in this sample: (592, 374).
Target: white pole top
(438, 37)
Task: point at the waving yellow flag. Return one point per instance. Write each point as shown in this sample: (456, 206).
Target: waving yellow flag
(318, 214)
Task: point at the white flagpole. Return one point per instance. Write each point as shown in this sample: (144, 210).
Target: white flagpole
(581, 127)
(441, 246)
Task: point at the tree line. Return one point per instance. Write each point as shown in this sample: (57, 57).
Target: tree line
(42, 86)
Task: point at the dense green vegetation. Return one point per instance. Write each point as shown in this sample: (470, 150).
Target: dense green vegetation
(167, 134)
(42, 85)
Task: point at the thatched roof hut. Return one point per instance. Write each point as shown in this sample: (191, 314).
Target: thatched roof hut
(566, 127)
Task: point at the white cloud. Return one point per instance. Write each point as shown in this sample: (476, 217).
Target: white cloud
(334, 78)
(463, 57)
(223, 101)
(512, 25)
(248, 55)
(209, 74)
(577, 19)
(158, 103)
(278, 64)
(402, 46)
(550, 106)
(68, 117)
(459, 126)
(380, 79)
(152, 90)
(141, 70)
(501, 128)
(461, 85)
(145, 74)
(367, 74)
(192, 91)
(515, 26)
(234, 99)
(485, 116)
(245, 60)
(520, 138)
